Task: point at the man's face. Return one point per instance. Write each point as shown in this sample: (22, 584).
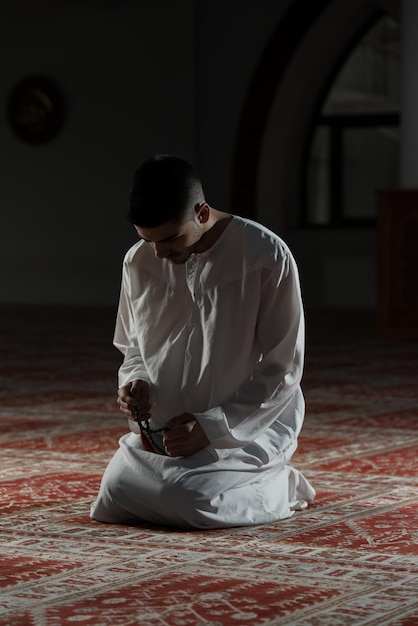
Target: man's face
(173, 241)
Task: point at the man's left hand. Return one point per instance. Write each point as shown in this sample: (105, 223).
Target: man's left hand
(185, 437)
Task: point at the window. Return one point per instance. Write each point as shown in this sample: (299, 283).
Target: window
(355, 143)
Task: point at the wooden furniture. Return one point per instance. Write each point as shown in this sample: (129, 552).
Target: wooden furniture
(398, 262)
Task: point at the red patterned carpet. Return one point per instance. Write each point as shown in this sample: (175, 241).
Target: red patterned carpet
(351, 558)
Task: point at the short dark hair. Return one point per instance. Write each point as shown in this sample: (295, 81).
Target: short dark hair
(164, 188)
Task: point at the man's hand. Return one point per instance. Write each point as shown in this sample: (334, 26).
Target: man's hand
(185, 437)
(135, 395)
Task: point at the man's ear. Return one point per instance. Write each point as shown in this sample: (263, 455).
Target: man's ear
(202, 212)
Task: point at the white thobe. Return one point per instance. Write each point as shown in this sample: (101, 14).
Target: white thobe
(222, 337)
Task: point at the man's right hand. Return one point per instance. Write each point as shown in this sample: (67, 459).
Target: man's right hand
(135, 395)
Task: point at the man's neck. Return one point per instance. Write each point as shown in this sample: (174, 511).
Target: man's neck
(217, 223)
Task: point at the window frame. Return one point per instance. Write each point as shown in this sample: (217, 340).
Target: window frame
(337, 124)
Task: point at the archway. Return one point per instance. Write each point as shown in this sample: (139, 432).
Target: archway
(295, 70)
(289, 85)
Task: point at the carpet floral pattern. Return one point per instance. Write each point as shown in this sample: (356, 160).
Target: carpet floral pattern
(351, 558)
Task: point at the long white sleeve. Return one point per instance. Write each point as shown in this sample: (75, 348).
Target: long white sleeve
(261, 401)
(125, 337)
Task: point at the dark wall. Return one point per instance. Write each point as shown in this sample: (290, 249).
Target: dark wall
(126, 71)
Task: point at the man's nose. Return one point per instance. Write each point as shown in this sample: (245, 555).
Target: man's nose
(160, 250)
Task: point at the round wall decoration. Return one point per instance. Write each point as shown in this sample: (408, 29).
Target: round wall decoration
(36, 109)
